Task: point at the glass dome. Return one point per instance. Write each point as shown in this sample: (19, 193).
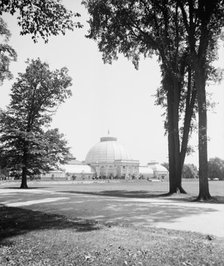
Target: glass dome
(107, 151)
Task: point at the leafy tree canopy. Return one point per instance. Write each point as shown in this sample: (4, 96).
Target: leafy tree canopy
(7, 53)
(134, 28)
(40, 18)
(27, 143)
(38, 92)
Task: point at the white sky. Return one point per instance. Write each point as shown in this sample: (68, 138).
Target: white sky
(109, 97)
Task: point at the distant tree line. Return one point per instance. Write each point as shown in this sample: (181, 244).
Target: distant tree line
(215, 169)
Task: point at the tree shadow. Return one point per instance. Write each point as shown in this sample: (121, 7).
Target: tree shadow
(142, 215)
(122, 193)
(218, 199)
(143, 211)
(29, 188)
(17, 221)
(190, 198)
(120, 209)
(148, 194)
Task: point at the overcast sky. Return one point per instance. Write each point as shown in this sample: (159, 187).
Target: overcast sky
(109, 97)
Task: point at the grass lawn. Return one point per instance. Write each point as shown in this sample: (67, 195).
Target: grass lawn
(64, 232)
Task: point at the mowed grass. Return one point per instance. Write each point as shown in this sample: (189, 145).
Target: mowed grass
(139, 188)
(30, 237)
(157, 188)
(36, 238)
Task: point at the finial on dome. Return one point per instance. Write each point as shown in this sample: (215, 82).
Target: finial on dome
(108, 137)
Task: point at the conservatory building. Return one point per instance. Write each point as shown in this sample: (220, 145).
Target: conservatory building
(109, 159)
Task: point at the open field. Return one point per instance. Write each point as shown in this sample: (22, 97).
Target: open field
(116, 223)
(191, 186)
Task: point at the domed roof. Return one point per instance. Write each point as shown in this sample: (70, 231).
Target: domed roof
(107, 151)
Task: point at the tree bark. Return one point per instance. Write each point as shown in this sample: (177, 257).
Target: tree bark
(202, 135)
(189, 110)
(24, 178)
(24, 168)
(175, 168)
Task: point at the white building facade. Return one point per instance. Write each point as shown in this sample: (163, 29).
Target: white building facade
(109, 159)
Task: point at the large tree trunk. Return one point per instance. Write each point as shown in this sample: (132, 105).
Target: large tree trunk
(202, 136)
(177, 155)
(175, 168)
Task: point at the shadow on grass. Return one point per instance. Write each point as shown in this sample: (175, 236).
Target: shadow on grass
(17, 221)
(147, 194)
(29, 188)
(190, 198)
(122, 193)
(218, 199)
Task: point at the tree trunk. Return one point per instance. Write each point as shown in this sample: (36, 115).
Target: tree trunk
(24, 178)
(24, 168)
(202, 136)
(177, 155)
(189, 110)
(175, 169)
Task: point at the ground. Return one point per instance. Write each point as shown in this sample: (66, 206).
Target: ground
(109, 223)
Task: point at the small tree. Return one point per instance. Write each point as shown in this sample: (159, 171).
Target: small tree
(25, 139)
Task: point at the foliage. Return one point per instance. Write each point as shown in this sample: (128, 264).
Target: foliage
(189, 171)
(7, 53)
(41, 18)
(27, 144)
(216, 168)
(46, 151)
(38, 18)
(131, 28)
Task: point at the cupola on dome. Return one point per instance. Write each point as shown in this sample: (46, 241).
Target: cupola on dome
(107, 151)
